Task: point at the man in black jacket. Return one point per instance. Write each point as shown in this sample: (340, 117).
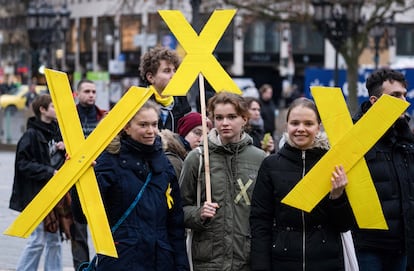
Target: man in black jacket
(391, 164)
(89, 116)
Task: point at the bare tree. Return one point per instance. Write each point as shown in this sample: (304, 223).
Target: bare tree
(367, 14)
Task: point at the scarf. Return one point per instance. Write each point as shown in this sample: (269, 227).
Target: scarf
(164, 101)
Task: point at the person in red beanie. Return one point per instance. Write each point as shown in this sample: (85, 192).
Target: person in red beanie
(190, 130)
(190, 135)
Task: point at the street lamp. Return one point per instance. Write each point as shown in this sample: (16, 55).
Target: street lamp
(63, 22)
(42, 23)
(337, 22)
(109, 42)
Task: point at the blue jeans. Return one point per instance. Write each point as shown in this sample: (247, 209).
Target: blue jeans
(381, 261)
(39, 240)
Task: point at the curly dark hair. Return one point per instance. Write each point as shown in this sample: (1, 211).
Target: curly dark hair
(375, 80)
(150, 61)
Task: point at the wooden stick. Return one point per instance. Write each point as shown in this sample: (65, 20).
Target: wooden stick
(205, 139)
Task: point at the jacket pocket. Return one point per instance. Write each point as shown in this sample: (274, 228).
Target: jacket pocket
(287, 245)
(202, 247)
(241, 247)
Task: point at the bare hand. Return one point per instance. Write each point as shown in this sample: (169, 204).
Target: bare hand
(269, 147)
(339, 180)
(60, 145)
(208, 210)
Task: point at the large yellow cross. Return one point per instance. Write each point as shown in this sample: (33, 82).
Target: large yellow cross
(199, 52)
(349, 144)
(84, 152)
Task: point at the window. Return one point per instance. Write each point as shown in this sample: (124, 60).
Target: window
(405, 39)
(261, 36)
(106, 27)
(85, 35)
(305, 40)
(130, 27)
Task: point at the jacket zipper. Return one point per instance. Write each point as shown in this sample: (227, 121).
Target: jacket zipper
(303, 217)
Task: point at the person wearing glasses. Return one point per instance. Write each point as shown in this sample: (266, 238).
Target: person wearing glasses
(189, 136)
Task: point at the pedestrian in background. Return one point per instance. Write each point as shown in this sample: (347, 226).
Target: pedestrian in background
(31, 93)
(89, 115)
(190, 135)
(39, 145)
(256, 127)
(286, 238)
(391, 164)
(157, 67)
(221, 231)
(135, 168)
(268, 108)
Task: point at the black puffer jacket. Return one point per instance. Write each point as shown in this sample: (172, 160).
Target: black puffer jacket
(285, 238)
(32, 166)
(391, 164)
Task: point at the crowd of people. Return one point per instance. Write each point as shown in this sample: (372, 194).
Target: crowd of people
(164, 179)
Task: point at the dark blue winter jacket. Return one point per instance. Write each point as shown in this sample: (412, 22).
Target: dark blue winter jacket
(152, 236)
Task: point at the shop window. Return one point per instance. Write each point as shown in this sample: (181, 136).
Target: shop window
(405, 39)
(306, 40)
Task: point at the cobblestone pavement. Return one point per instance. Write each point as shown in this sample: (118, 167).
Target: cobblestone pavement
(11, 247)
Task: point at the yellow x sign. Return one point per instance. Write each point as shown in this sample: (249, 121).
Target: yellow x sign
(199, 49)
(83, 153)
(243, 191)
(349, 145)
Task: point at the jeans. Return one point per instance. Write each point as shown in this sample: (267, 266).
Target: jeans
(79, 244)
(381, 261)
(39, 240)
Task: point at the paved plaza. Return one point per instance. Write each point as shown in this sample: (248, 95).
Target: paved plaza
(11, 247)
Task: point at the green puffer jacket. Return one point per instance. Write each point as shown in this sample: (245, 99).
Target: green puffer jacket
(222, 243)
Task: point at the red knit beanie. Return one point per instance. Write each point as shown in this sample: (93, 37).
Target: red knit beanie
(188, 123)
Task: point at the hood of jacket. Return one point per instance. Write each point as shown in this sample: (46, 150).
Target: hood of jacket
(49, 130)
(215, 144)
(171, 143)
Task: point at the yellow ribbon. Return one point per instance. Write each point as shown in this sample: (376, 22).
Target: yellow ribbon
(170, 200)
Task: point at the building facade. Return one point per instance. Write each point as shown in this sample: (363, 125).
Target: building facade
(111, 35)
